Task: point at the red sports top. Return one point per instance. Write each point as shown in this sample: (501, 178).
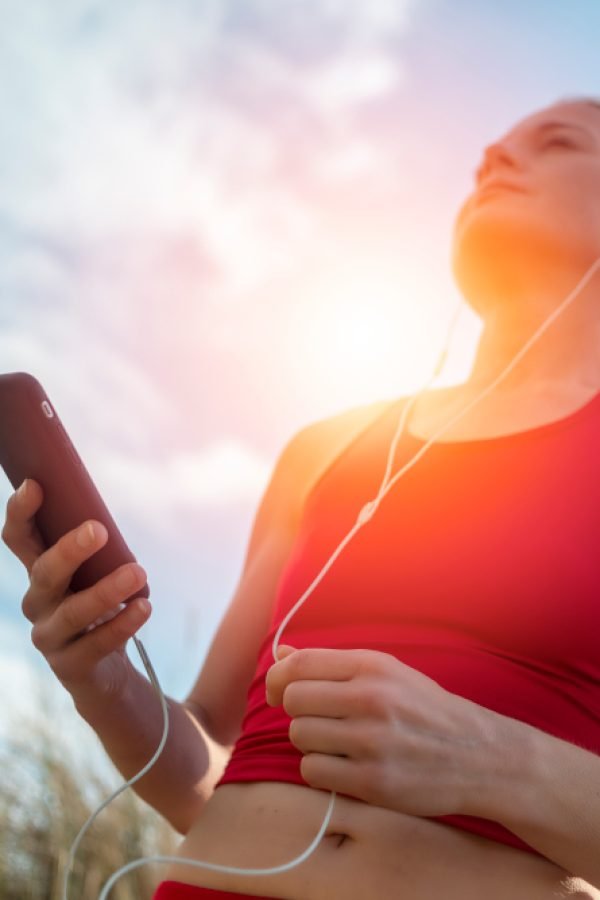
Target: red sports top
(480, 568)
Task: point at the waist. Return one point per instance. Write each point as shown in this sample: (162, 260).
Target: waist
(367, 851)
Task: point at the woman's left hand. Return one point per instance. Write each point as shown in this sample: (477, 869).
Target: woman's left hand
(371, 727)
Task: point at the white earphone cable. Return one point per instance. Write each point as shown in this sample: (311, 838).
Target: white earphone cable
(365, 514)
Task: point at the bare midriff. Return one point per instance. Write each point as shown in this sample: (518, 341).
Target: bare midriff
(367, 852)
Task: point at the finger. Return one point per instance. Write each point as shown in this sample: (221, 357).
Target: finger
(358, 739)
(107, 638)
(52, 572)
(20, 532)
(334, 699)
(82, 611)
(335, 773)
(312, 664)
(315, 734)
(77, 660)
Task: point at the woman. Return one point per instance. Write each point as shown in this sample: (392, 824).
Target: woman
(444, 678)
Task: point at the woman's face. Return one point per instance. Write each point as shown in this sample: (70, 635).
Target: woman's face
(547, 200)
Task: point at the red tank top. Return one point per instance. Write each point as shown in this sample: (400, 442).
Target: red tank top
(480, 569)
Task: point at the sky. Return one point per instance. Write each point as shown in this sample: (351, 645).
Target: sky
(222, 221)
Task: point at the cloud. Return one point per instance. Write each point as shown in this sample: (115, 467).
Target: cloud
(119, 441)
(157, 492)
(134, 481)
(130, 125)
(91, 398)
(123, 116)
(350, 81)
(160, 166)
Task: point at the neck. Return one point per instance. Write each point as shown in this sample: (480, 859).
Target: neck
(567, 353)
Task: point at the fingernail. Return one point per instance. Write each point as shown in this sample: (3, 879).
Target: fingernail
(86, 535)
(142, 607)
(126, 579)
(22, 490)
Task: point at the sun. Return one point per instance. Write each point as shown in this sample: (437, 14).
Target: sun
(361, 336)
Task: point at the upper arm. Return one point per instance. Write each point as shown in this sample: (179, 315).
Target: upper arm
(219, 695)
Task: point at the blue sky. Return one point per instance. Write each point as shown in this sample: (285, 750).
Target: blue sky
(221, 221)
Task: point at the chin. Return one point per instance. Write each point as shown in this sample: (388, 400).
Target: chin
(495, 258)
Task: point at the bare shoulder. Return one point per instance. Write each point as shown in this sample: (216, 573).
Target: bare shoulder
(317, 444)
(218, 697)
(343, 424)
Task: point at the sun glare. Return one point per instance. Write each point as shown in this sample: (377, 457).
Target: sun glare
(362, 335)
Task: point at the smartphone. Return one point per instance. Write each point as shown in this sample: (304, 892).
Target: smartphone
(34, 444)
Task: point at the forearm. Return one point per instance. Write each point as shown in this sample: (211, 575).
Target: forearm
(130, 728)
(547, 792)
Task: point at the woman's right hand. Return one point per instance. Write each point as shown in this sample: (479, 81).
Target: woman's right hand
(84, 650)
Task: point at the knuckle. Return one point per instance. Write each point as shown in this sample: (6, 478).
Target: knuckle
(368, 780)
(101, 642)
(112, 634)
(374, 700)
(105, 593)
(369, 741)
(6, 533)
(291, 698)
(41, 573)
(369, 662)
(72, 615)
(10, 505)
(296, 733)
(274, 680)
(309, 768)
(269, 682)
(367, 694)
(121, 626)
(298, 663)
(27, 606)
(37, 637)
(383, 780)
(68, 551)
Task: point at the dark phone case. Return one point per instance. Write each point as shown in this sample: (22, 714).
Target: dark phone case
(34, 444)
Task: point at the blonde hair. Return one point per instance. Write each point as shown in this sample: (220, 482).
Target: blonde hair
(588, 101)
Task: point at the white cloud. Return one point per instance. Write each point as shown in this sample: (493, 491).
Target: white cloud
(125, 117)
(90, 376)
(224, 474)
(129, 120)
(116, 440)
(351, 79)
(131, 128)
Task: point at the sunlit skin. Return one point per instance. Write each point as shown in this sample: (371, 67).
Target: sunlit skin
(516, 256)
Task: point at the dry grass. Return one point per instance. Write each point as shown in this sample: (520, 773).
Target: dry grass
(45, 797)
